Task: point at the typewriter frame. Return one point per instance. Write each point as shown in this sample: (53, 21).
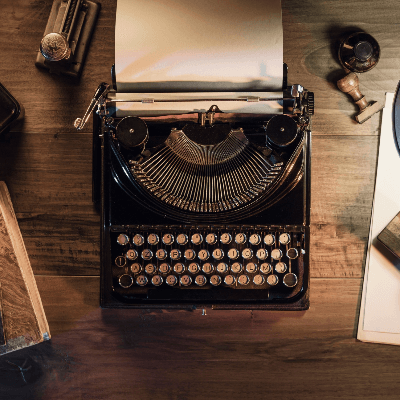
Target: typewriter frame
(104, 186)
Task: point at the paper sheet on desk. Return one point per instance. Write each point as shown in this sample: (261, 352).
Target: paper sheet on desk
(380, 304)
(208, 45)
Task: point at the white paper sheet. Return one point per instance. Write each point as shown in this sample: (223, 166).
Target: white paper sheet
(380, 305)
(208, 45)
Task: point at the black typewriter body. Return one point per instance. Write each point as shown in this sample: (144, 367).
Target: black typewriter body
(205, 209)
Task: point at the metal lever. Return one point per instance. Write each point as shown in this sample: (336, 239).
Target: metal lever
(100, 93)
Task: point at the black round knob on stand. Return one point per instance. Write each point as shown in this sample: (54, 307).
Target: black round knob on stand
(281, 130)
(132, 132)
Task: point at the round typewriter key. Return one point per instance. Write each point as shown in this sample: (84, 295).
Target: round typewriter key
(200, 280)
(255, 239)
(190, 254)
(175, 254)
(269, 239)
(120, 261)
(141, 280)
(218, 254)
(193, 268)
(292, 253)
(156, 280)
(150, 269)
(152, 239)
(265, 268)
(233, 253)
(251, 268)
(136, 268)
(280, 267)
(208, 268)
(161, 254)
(122, 239)
(182, 239)
(147, 254)
(222, 268)
(258, 280)
(261, 254)
(179, 268)
(203, 254)
(168, 239)
(240, 238)
(138, 240)
(211, 238)
(243, 280)
(131, 254)
(197, 238)
(171, 280)
(247, 253)
(236, 268)
(125, 281)
(284, 238)
(272, 280)
(290, 280)
(229, 280)
(226, 238)
(185, 280)
(164, 268)
(215, 280)
(276, 254)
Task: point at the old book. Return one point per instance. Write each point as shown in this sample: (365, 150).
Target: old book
(390, 236)
(23, 321)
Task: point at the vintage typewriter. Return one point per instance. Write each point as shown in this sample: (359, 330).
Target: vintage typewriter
(203, 208)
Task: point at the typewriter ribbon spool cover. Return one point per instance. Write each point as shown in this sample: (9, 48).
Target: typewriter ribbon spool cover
(203, 154)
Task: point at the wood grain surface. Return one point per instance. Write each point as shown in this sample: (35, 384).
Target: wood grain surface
(109, 354)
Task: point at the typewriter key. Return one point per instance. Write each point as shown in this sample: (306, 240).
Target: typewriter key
(153, 239)
(243, 280)
(265, 268)
(211, 238)
(204, 254)
(233, 253)
(179, 268)
(141, 280)
(168, 239)
(247, 254)
(280, 267)
(120, 261)
(136, 268)
(193, 268)
(215, 280)
(182, 239)
(290, 280)
(284, 238)
(262, 254)
(150, 269)
(276, 254)
(131, 254)
(161, 254)
(201, 280)
(251, 268)
(208, 268)
(218, 254)
(240, 238)
(164, 268)
(175, 254)
(258, 280)
(292, 253)
(272, 280)
(269, 239)
(171, 280)
(189, 254)
(236, 268)
(122, 239)
(226, 238)
(132, 132)
(197, 238)
(229, 280)
(156, 280)
(185, 280)
(255, 239)
(147, 254)
(125, 281)
(222, 268)
(138, 240)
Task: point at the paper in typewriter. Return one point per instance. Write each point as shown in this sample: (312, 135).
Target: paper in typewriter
(200, 46)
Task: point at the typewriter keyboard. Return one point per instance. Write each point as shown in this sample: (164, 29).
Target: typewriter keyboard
(209, 257)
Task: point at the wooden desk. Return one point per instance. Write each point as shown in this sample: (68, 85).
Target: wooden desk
(109, 354)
